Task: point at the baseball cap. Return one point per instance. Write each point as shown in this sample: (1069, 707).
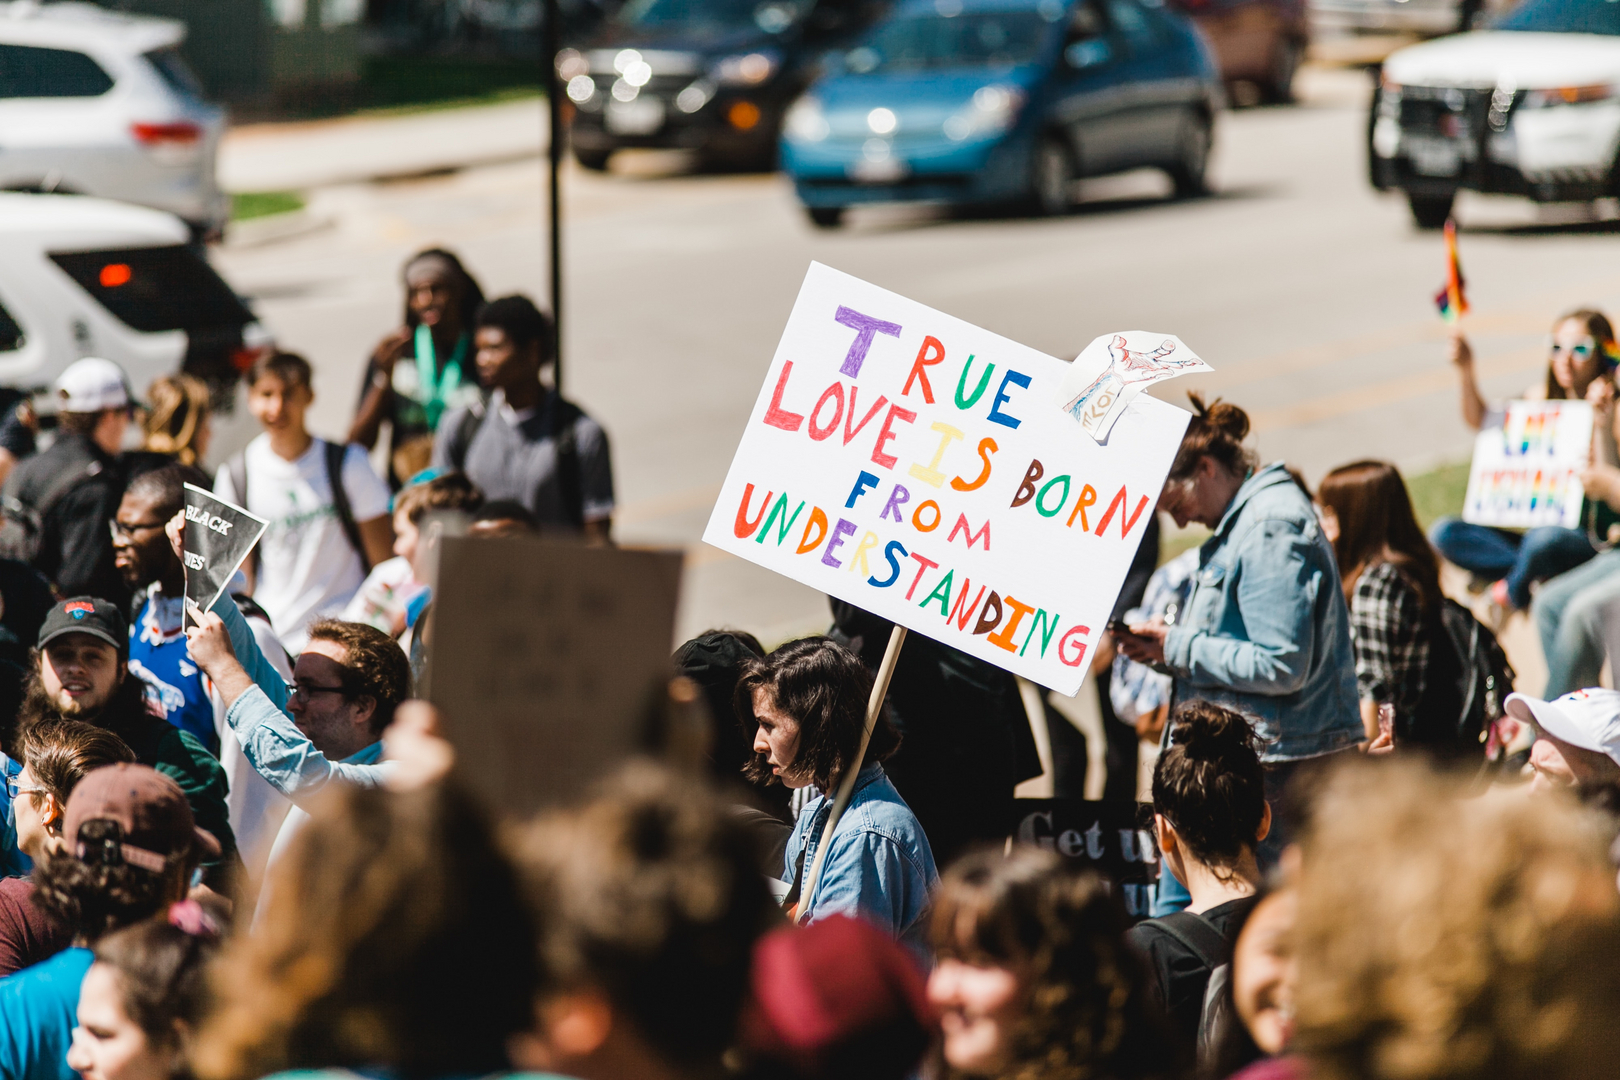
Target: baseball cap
(86, 615)
(90, 385)
(1588, 719)
(149, 807)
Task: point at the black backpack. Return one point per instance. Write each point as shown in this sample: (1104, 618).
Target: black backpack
(564, 415)
(236, 469)
(24, 523)
(1472, 678)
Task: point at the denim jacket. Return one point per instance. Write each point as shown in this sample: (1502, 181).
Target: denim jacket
(1266, 630)
(879, 865)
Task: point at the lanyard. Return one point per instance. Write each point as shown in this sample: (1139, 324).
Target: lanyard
(432, 386)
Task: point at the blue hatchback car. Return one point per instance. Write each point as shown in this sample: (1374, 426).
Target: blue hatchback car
(1003, 102)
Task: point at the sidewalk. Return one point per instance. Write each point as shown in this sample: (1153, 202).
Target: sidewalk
(317, 153)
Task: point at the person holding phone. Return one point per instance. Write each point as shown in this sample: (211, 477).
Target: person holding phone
(1265, 630)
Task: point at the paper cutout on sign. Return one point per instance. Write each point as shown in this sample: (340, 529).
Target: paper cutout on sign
(1115, 368)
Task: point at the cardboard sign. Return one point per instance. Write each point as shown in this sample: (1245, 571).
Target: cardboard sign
(546, 658)
(1527, 472)
(219, 536)
(1113, 838)
(925, 470)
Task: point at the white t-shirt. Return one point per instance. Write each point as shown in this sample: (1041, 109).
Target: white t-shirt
(306, 566)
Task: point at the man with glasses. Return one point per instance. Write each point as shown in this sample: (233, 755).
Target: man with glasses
(67, 493)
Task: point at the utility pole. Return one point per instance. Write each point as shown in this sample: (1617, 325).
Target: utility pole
(552, 46)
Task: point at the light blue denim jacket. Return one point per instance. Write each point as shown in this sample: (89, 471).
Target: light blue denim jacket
(1266, 630)
(879, 866)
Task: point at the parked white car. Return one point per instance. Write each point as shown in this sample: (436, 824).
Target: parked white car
(95, 102)
(88, 277)
(1530, 107)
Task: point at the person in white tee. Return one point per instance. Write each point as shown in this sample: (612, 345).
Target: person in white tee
(313, 557)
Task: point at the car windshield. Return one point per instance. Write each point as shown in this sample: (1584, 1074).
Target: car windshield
(772, 15)
(1564, 17)
(975, 39)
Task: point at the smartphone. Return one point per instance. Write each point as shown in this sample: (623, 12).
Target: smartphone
(1118, 627)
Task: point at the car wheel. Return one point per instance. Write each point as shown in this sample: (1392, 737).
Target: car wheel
(1279, 88)
(1192, 161)
(825, 217)
(1051, 178)
(1430, 211)
(594, 160)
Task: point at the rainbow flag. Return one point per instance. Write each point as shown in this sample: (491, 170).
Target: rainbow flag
(1451, 301)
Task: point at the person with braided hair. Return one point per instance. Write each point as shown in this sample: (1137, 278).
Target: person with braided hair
(1209, 816)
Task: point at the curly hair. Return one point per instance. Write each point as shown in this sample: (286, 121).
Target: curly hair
(1088, 1015)
(100, 892)
(1210, 784)
(373, 666)
(824, 687)
(395, 937)
(162, 975)
(1448, 937)
(177, 408)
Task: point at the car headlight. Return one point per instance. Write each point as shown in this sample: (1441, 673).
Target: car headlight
(747, 69)
(581, 88)
(806, 122)
(571, 64)
(991, 112)
(1569, 95)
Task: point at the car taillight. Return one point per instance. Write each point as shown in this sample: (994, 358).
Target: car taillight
(182, 132)
(244, 356)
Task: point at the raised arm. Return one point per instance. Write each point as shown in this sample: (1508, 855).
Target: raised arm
(1474, 405)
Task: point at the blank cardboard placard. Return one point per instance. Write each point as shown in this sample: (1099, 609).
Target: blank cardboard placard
(544, 658)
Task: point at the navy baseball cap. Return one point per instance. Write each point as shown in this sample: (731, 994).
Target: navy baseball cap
(86, 615)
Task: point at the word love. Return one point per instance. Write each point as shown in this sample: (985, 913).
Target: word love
(202, 517)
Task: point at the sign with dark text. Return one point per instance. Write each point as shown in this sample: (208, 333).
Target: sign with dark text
(219, 536)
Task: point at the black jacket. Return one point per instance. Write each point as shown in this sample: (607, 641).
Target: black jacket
(75, 546)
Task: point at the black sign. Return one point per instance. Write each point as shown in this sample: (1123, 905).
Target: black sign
(1113, 838)
(219, 536)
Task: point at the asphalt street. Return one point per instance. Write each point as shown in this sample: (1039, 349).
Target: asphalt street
(1309, 293)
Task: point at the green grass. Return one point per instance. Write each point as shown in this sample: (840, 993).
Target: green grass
(256, 204)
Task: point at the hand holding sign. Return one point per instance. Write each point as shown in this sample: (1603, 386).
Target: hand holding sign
(218, 537)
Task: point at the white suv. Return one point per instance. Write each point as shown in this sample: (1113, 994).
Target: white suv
(88, 277)
(1530, 107)
(93, 102)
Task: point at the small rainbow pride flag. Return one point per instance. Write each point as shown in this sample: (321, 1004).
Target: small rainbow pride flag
(1451, 301)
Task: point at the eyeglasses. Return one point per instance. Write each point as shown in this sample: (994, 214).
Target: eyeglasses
(1581, 350)
(127, 532)
(305, 690)
(13, 789)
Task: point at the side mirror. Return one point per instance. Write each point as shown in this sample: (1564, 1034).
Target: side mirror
(1093, 52)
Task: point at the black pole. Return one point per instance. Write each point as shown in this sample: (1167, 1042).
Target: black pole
(553, 45)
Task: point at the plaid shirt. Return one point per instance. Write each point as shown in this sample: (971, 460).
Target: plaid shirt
(1391, 643)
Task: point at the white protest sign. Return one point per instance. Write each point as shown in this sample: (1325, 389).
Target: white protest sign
(1110, 372)
(1526, 473)
(923, 469)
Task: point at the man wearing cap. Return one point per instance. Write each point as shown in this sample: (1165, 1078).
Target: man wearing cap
(82, 673)
(74, 486)
(1578, 737)
(130, 846)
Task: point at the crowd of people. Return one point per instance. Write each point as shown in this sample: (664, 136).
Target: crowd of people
(234, 846)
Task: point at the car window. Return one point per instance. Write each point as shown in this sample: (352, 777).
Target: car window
(773, 17)
(974, 39)
(11, 335)
(30, 72)
(153, 289)
(1132, 23)
(1564, 17)
(173, 70)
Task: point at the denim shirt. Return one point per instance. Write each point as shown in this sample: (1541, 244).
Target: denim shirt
(1266, 630)
(879, 865)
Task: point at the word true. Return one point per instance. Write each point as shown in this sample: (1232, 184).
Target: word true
(213, 521)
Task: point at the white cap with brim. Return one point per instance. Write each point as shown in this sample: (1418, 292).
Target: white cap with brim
(91, 385)
(1588, 719)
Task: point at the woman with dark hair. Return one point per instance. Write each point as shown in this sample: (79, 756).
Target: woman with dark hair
(1209, 816)
(1580, 366)
(143, 999)
(1034, 979)
(1391, 580)
(425, 367)
(395, 941)
(807, 702)
(1265, 630)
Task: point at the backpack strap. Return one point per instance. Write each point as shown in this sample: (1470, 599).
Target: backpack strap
(335, 453)
(1198, 934)
(61, 486)
(465, 431)
(565, 416)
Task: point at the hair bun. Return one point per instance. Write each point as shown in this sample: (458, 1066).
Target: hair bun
(1208, 732)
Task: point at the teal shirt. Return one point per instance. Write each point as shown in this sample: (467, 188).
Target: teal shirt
(39, 1008)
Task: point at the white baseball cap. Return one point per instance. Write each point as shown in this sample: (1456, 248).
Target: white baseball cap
(90, 385)
(1588, 719)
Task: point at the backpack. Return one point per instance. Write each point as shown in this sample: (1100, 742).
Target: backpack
(236, 469)
(24, 523)
(565, 415)
(1200, 937)
(1474, 674)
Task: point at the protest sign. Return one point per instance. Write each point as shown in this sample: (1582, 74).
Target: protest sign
(1527, 472)
(219, 536)
(547, 658)
(925, 470)
(1113, 838)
